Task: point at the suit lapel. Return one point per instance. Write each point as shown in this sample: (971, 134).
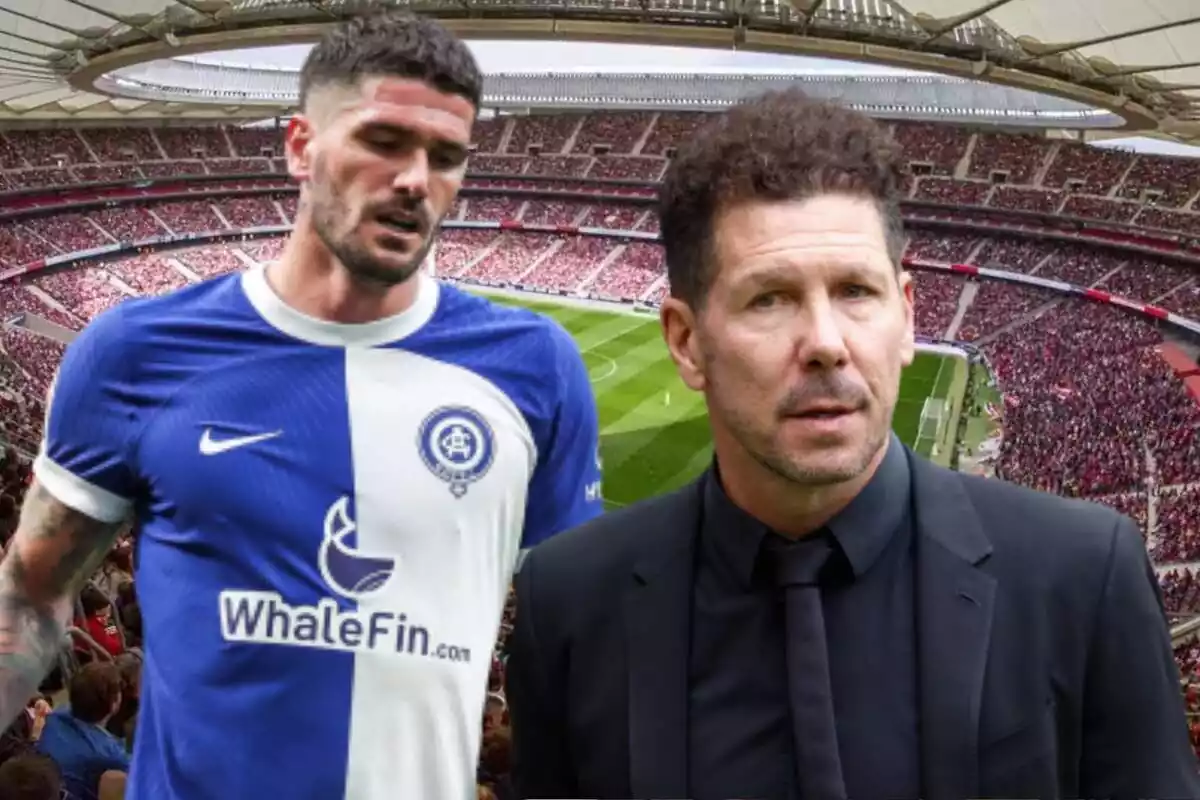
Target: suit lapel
(658, 624)
(954, 621)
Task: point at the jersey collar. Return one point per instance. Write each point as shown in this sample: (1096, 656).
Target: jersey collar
(301, 326)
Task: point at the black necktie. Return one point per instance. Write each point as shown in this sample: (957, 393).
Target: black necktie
(818, 765)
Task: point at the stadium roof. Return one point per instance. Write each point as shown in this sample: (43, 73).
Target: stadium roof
(1139, 58)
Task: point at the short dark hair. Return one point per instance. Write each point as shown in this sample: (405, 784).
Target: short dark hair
(94, 691)
(778, 146)
(397, 44)
(31, 776)
(93, 599)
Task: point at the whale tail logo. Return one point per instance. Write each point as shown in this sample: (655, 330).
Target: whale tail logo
(351, 574)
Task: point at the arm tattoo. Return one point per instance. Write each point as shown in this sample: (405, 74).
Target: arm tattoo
(53, 553)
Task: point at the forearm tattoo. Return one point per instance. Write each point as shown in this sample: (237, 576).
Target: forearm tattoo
(52, 554)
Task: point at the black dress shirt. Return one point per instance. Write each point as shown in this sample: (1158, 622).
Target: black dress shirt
(739, 732)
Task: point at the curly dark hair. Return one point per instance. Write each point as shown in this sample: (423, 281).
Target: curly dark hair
(778, 146)
(397, 44)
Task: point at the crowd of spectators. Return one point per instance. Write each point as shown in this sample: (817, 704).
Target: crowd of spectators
(1181, 591)
(1090, 409)
(1090, 401)
(1073, 371)
(1178, 531)
(75, 737)
(950, 164)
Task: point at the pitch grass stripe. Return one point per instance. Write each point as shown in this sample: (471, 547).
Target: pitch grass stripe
(645, 461)
(642, 444)
(651, 424)
(643, 382)
(608, 354)
(625, 343)
(691, 470)
(596, 335)
(579, 321)
(649, 447)
(906, 420)
(569, 317)
(638, 333)
(600, 368)
(576, 323)
(945, 378)
(589, 331)
(644, 370)
(639, 397)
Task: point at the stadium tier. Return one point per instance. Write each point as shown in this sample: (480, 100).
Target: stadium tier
(950, 165)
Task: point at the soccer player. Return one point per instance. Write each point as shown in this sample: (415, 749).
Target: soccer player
(333, 463)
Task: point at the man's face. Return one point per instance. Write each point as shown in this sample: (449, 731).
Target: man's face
(379, 164)
(800, 344)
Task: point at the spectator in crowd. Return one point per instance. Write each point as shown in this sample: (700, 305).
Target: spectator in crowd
(99, 622)
(89, 757)
(31, 777)
(121, 724)
(117, 569)
(495, 713)
(26, 729)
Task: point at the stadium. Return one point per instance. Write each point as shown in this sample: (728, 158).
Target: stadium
(1052, 211)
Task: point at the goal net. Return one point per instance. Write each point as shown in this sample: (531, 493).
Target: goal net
(932, 426)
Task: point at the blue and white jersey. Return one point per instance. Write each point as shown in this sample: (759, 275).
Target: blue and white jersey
(329, 516)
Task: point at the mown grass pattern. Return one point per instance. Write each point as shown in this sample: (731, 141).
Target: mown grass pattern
(654, 433)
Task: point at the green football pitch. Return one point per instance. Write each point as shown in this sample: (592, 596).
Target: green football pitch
(654, 433)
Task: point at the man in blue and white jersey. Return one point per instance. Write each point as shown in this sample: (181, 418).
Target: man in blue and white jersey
(333, 463)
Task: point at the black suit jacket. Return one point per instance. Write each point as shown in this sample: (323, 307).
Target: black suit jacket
(1044, 659)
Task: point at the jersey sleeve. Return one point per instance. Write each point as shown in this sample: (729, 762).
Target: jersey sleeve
(86, 457)
(565, 489)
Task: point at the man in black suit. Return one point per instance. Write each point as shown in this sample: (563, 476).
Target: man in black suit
(824, 614)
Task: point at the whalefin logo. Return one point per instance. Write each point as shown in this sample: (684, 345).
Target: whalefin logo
(265, 616)
(351, 574)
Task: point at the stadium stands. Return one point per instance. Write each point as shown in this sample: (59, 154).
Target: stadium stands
(1078, 371)
(955, 165)
(1090, 409)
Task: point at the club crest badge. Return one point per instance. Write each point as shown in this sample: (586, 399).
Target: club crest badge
(457, 445)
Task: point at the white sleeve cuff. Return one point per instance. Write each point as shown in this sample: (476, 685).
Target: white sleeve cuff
(79, 494)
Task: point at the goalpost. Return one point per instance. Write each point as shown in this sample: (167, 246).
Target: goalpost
(932, 425)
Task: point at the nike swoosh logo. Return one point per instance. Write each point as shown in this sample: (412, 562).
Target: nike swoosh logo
(212, 447)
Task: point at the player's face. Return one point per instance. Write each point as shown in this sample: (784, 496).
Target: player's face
(801, 342)
(380, 165)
